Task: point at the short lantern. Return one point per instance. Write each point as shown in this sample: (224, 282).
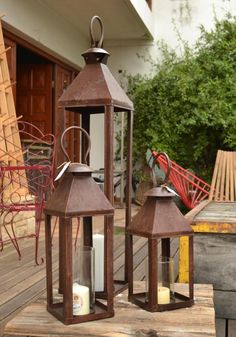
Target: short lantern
(78, 196)
(160, 221)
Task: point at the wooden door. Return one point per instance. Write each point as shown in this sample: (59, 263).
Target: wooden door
(11, 61)
(34, 94)
(64, 118)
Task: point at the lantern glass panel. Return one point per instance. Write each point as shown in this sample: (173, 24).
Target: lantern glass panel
(83, 281)
(165, 280)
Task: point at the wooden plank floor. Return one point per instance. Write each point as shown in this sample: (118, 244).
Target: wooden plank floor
(21, 281)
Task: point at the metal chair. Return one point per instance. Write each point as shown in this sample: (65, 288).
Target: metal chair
(24, 187)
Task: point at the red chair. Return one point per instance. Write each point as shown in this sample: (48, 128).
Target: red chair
(190, 188)
(24, 187)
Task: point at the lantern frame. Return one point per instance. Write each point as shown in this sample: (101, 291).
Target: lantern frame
(95, 91)
(77, 196)
(159, 220)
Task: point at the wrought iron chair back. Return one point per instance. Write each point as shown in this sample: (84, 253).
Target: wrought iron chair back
(24, 187)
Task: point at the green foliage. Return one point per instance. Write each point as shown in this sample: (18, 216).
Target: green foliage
(188, 107)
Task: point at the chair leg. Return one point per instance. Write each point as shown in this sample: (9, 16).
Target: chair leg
(1, 239)
(38, 219)
(12, 237)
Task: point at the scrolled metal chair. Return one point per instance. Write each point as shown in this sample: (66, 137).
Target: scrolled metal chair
(24, 187)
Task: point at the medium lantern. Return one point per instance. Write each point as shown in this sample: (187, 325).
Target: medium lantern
(96, 91)
(78, 196)
(161, 223)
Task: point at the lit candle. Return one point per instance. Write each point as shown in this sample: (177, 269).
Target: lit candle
(80, 300)
(163, 295)
(98, 244)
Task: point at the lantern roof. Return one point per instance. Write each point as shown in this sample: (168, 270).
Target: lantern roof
(159, 217)
(95, 87)
(78, 195)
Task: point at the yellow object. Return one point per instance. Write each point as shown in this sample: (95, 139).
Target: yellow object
(184, 260)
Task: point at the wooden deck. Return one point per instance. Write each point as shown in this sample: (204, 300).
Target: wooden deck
(22, 282)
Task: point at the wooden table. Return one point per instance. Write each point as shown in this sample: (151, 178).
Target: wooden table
(129, 320)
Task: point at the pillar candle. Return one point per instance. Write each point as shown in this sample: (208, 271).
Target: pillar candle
(80, 300)
(98, 244)
(163, 296)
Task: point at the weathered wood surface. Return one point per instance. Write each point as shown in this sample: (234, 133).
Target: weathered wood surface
(225, 327)
(129, 320)
(225, 304)
(231, 328)
(215, 264)
(221, 327)
(215, 260)
(20, 280)
(217, 212)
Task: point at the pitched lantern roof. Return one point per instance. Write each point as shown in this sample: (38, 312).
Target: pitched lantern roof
(95, 86)
(159, 217)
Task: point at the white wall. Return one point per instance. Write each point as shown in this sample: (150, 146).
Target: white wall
(49, 30)
(188, 15)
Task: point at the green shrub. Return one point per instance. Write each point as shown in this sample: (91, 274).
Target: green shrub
(188, 107)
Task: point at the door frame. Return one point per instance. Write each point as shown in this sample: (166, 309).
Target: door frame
(18, 40)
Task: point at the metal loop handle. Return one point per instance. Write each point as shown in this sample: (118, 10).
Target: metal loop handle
(96, 43)
(85, 133)
(154, 180)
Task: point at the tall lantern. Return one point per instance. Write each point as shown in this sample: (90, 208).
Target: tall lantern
(160, 221)
(78, 196)
(95, 91)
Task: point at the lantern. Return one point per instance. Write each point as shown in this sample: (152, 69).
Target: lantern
(78, 196)
(161, 223)
(95, 91)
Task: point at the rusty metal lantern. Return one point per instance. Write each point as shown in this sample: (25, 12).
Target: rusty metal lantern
(160, 221)
(95, 91)
(77, 196)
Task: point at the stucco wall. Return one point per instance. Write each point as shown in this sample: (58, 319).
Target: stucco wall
(34, 21)
(185, 15)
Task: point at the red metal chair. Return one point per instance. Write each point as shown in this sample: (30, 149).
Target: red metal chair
(24, 187)
(190, 188)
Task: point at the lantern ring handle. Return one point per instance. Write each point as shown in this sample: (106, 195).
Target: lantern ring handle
(154, 180)
(96, 43)
(87, 136)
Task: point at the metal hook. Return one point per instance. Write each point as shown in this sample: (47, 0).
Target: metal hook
(168, 168)
(85, 133)
(96, 43)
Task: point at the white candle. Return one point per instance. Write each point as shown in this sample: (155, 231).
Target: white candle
(163, 296)
(80, 300)
(98, 244)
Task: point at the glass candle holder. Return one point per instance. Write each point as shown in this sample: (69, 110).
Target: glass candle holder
(83, 281)
(165, 280)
